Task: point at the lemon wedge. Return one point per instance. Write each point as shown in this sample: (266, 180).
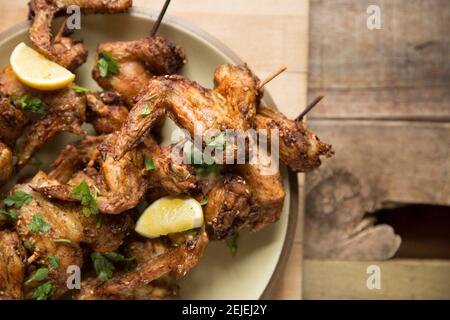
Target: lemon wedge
(36, 71)
(170, 215)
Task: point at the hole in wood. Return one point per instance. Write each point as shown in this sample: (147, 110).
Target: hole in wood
(424, 229)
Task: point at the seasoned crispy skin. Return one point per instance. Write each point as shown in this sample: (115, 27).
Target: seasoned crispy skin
(122, 183)
(170, 174)
(66, 112)
(6, 163)
(12, 266)
(138, 61)
(228, 209)
(239, 86)
(12, 122)
(75, 157)
(178, 260)
(106, 111)
(300, 148)
(186, 102)
(66, 221)
(63, 50)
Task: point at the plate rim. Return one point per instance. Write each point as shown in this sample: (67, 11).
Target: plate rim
(267, 99)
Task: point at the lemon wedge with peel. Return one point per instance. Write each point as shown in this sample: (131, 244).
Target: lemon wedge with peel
(170, 215)
(36, 71)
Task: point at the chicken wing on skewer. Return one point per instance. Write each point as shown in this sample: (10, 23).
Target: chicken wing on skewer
(12, 266)
(63, 50)
(300, 149)
(6, 163)
(138, 61)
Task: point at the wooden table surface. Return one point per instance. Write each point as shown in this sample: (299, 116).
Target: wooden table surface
(266, 34)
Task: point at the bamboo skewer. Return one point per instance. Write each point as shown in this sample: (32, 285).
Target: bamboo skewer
(160, 17)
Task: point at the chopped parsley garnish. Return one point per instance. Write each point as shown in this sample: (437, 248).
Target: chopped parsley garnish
(54, 261)
(30, 103)
(44, 291)
(62, 241)
(11, 214)
(204, 201)
(148, 107)
(99, 222)
(103, 267)
(38, 224)
(18, 199)
(232, 244)
(104, 263)
(28, 245)
(107, 64)
(149, 164)
(192, 232)
(88, 200)
(80, 90)
(39, 275)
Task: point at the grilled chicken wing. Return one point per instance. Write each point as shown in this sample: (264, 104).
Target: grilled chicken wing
(300, 148)
(138, 61)
(65, 221)
(66, 112)
(106, 111)
(6, 163)
(170, 174)
(228, 209)
(191, 106)
(65, 51)
(12, 266)
(12, 122)
(159, 260)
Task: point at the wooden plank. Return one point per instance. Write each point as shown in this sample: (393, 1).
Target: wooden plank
(401, 71)
(378, 164)
(400, 279)
(266, 34)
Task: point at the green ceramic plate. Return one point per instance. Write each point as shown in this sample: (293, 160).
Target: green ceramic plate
(252, 272)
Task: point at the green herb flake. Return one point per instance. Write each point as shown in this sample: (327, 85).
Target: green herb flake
(18, 199)
(99, 222)
(38, 224)
(30, 103)
(28, 245)
(44, 291)
(10, 214)
(80, 90)
(204, 201)
(149, 164)
(102, 266)
(107, 64)
(54, 261)
(39, 275)
(62, 241)
(232, 244)
(88, 200)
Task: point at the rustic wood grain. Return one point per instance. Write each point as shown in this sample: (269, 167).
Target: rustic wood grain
(400, 279)
(266, 34)
(401, 71)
